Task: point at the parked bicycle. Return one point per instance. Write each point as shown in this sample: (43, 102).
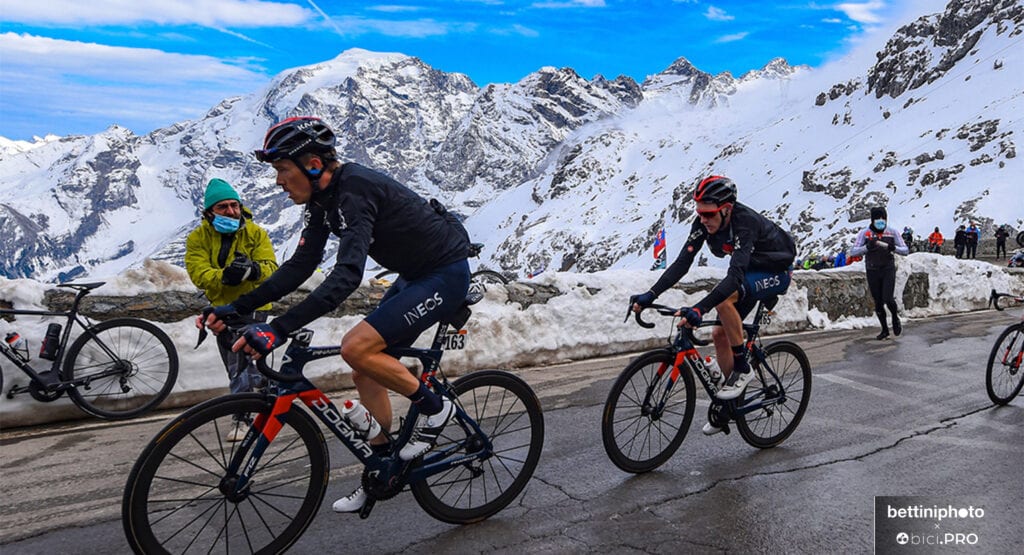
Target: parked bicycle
(1003, 376)
(651, 404)
(478, 280)
(191, 491)
(115, 369)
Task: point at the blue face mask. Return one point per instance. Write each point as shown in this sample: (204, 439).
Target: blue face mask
(879, 225)
(224, 224)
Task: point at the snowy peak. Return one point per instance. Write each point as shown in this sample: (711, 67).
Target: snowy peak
(925, 50)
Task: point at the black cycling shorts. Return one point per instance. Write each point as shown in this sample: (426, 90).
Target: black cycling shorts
(409, 307)
(759, 285)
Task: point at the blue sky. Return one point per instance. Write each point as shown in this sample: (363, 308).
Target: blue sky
(79, 66)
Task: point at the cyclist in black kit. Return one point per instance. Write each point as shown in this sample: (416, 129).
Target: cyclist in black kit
(372, 215)
(760, 267)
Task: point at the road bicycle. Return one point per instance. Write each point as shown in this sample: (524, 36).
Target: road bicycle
(651, 404)
(191, 491)
(1003, 375)
(478, 280)
(115, 369)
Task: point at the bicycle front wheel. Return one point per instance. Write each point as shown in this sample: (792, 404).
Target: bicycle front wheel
(644, 420)
(129, 365)
(1003, 376)
(180, 497)
(510, 416)
(783, 401)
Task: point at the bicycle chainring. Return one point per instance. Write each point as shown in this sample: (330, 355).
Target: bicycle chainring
(718, 414)
(39, 393)
(380, 490)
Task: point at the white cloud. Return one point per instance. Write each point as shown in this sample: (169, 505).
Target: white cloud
(570, 4)
(732, 38)
(208, 13)
(139, 88)
(716, 14)
(391, 8)
(863, 12)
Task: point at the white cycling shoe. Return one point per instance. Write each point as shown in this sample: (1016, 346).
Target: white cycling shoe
(351, 503)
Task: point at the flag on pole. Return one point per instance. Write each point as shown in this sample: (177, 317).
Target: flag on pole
(659, 251)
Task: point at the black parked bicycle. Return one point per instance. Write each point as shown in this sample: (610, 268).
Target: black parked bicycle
(1003, 376)
(478, 280)
(191, 491)
(649, 411)
(115, 369)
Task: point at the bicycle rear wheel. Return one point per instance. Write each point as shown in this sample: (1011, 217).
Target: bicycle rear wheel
(131, 366)
(1003, 376)
(480, 279)
(785, 400)
(180, 499)
(644, 422)
(510, 415)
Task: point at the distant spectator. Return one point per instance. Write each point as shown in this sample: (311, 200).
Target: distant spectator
(1001, 234)
(972, 236)
(935, 241)
(798, 263)
(809, 262)
(960, 241)
(840, 259)
(1017, 260)
(908, 237)
(878, 243)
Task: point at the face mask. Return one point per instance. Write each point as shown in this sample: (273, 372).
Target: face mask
(879, 225)
(224, 224)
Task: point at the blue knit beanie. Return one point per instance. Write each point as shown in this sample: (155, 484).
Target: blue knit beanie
(218, 190)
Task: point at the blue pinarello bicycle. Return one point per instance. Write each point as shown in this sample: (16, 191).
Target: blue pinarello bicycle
(651, 404)
(190, 491)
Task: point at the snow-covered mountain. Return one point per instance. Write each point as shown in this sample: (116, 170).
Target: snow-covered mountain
(561, 171)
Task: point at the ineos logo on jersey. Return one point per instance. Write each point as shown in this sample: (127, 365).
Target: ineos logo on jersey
(423, 308)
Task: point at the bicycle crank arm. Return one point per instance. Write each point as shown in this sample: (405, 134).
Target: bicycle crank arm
(364, 513)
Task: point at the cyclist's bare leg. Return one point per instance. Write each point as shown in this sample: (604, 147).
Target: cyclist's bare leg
(729, 333)
(375, 372)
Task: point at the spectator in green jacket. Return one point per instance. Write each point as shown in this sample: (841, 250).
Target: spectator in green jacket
(227, 256)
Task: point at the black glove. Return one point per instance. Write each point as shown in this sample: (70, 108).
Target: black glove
(263, 338)
(872, 244)
(892, 247)
(692, 316)
(240, 270)
(643, 299)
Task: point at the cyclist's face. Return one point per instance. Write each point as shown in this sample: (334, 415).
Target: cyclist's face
(293, 181)
(712, 216)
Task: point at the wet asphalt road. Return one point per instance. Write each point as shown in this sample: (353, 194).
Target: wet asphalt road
(903, 417)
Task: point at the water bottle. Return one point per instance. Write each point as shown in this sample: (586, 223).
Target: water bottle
(51, 342)
(714, 371)
(18, 345)
(360, 419)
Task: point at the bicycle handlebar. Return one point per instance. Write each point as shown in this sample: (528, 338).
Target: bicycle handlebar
(235, 323)
(665, 310)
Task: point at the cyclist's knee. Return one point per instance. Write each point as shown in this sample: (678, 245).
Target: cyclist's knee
(718, 334)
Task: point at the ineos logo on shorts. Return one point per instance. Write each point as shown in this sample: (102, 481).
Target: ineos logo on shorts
(766, 283)
(423, 308)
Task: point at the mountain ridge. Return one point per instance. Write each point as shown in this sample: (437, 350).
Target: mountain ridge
(556, 170)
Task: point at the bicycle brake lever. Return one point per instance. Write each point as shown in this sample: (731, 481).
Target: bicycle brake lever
(202, 336)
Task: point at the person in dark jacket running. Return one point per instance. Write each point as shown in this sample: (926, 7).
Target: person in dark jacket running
(761, 267)
(372, 215)
(877, 244)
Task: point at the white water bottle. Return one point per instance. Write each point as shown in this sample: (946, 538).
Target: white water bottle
(360, 419)
(714, 371)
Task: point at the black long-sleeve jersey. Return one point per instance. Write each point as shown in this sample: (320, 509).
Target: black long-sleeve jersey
(755, 243)
(372, 215)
